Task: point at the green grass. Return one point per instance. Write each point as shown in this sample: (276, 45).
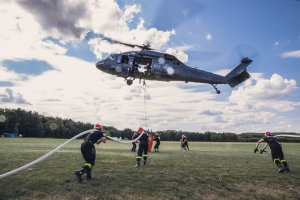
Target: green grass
(207, 171)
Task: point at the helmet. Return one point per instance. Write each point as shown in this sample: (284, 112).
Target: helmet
(140, 130)
(267, 134)
(97, 126)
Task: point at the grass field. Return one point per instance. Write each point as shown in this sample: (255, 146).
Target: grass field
(207, 171)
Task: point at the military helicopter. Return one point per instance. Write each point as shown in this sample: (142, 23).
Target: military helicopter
(147, 64)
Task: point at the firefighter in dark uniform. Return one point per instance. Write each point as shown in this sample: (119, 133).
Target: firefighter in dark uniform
(143, 148)
(88, 151)
(157, 140)
(184, 142)
(276, 152)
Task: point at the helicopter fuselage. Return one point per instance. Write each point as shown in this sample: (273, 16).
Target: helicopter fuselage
(151, 65)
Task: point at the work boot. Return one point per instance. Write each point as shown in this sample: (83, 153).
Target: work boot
(137, 165)
(281, 170)
(145, 162)
(79, 174)
(285, 165)
(89, 174)
(287, 169)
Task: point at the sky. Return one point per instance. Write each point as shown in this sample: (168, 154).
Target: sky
(47, 62)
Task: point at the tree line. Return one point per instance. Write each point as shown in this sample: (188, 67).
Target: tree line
(33, 124)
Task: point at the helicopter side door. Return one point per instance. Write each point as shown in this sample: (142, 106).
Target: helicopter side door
(142, 65)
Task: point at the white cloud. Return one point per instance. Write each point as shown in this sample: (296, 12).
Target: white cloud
(23, 37)
(10, 76)
(183, 57)
(185, 47)
(265, 93)
(8, 96)
(291, 54)
(209, 37)
(130, 11)
(178, 52)
(139, 36)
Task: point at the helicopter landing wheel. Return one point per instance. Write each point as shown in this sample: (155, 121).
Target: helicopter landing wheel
(129, 82)
(215, 86)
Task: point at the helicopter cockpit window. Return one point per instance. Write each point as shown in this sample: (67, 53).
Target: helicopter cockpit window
(124, 59)
(112, 56)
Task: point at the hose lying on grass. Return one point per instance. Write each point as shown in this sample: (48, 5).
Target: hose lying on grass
(58, 148)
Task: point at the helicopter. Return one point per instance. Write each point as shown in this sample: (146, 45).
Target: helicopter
(148, 64)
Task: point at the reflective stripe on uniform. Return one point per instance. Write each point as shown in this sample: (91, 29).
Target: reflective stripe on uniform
(145, 155)
(276, 159)
(283, 161)
(89, 165)
(138, 157)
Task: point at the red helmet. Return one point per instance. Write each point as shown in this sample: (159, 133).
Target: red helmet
(97, 126)
(267, 134)
(140, 130)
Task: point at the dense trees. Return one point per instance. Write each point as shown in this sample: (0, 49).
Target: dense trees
(32, 124)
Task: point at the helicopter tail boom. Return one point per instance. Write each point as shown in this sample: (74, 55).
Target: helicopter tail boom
(239, 74)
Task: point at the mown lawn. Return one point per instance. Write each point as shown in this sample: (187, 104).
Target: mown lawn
(207, 171)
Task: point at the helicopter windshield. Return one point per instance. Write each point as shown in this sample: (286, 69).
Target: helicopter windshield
(112, 57)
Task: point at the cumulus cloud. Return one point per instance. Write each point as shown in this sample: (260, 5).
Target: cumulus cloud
(179, 52)
(265, 93)
(130, 11)
(156, 38)
(58, 16)
(69, 19)
(23, 38)
(9, 76)
(183, 57)
(8, 96)
(210, 112)
(291, 54)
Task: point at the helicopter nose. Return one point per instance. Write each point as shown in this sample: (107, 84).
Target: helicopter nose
(100, 65)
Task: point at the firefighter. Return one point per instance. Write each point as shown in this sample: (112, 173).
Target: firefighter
(276, 152)
(157, 140)
(184, 142)
(88, 151)
(143, 148)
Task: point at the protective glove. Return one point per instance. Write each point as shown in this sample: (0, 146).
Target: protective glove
(261, 151)
(255, 150)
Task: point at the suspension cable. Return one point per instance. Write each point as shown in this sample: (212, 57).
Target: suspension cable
(146, 116)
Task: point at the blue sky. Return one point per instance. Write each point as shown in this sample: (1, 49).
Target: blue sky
(45, 56)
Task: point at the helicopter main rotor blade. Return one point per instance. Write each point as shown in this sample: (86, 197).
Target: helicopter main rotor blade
(95, 35)
(244, 51)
